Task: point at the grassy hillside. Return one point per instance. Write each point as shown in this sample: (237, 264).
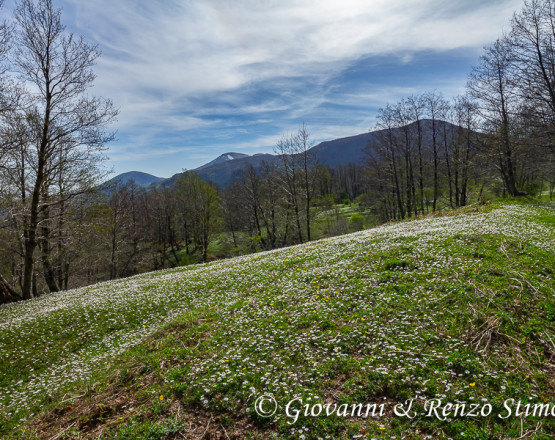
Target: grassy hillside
(459, 308)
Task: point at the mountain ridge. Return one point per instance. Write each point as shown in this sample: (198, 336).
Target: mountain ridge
(332, 153)
(139, 177)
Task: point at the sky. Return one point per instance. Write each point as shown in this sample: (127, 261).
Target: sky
(194, 79)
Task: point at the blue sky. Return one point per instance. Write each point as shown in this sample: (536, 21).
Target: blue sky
(197, 78)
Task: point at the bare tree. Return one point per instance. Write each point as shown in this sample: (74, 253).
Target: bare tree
(272, 205)
(64, 122)
(532, 41)
(251, 189)
(492, 87)
(436, 109)
(390, 151)
(9, 95)
(231, 208)
(286, 149)
(465, 110)
(201, 205)
(402, 115)
(415, 107)
(302, 145)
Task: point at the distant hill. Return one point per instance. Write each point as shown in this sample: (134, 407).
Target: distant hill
(140, 179)
(344, 150)
(337, 152)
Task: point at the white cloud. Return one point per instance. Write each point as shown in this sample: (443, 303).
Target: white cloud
(158, 55)
(168, 50)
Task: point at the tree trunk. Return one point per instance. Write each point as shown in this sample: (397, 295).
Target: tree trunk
(31, 243)
(46, 249)
(448, 165)
(420, 167)
(7, 292)
(434, 144)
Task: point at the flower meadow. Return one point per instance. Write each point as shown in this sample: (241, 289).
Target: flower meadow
(459, 308)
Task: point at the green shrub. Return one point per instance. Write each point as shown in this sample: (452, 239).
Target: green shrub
(356, 222)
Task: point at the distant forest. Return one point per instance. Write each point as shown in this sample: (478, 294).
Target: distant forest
(60, 228)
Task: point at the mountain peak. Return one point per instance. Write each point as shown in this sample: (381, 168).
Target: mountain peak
(226, 157)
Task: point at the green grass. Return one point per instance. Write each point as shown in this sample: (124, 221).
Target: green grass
(458, 308)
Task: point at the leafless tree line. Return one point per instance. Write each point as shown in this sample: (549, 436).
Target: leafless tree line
(514, 87)
(425, 155)
(503, 126)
